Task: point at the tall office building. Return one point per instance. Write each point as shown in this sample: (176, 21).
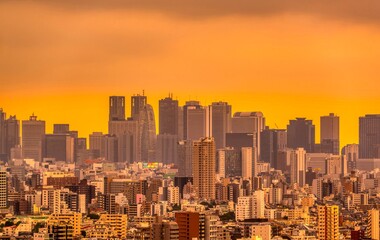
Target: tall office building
(221, 122)
(372, 230)
(204, 168)
(328, 222)
(194, 121)
(272, 141)
(148, 138)
(129, 141)
(168, 116)
(33, 133)
(229, 162)
(61, 128)
(3, 189)
(185, 158)
(117, 108)
(2, 135)
(249, 122)
(298, 167)
(12, 134)
(138, 103)
(166, 150)
(258, 204)
(330, 134)
(301, 134)
(105, 145)
(247, 162)
(60, 147)
(369, 136)
(351, 152)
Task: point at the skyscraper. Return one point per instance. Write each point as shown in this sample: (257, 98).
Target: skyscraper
(194, 121)
(2, 134)
(138, 103)
(204, 168)
(148, 134)
(12, 138)
(59, 146)
(221, 122)
(129, 141)
(33, 132)
(3, 189)
(61, 128)
(272, 141)
(298, 167)
(369, 136)
(168, 116)
(330, 134)
(117, 108)
(249, 122)
(351, 151)
(301, 134)
(247, 162)
(328, 222)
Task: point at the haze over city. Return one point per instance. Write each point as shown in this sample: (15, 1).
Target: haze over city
(190, 120)
(286, 59)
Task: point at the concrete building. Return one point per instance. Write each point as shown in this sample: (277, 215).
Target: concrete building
(248, 163)
(261, 230)
(33, 134)
(272, 141)
(298, 167)
(329, 136)
(301, 134)
(369, 136)
(116, 108)
(60, 146)
(204, 168)
(221, 122)
(3, 189)
(249, 122)
(351, 152)
(372, 230)
(168, 116)
(328, 222)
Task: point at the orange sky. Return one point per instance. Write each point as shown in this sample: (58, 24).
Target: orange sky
(62, 59)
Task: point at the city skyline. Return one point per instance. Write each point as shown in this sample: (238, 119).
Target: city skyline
(101, 124)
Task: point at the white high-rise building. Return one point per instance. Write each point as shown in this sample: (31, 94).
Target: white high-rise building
(246, 158)
(298, 167)
(258, 204)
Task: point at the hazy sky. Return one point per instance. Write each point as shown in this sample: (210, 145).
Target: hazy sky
(289, 58)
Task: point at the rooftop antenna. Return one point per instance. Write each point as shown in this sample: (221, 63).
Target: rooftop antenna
(143, 92)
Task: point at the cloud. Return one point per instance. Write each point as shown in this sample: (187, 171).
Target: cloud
(366, 11)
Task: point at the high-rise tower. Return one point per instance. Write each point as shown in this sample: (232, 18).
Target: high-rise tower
(369, 136)
(330, 134)
(221, 122)
(117, 108)
(168, 116)
(138, 103)
(301, 133)
(33, 132)
(204, 168)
